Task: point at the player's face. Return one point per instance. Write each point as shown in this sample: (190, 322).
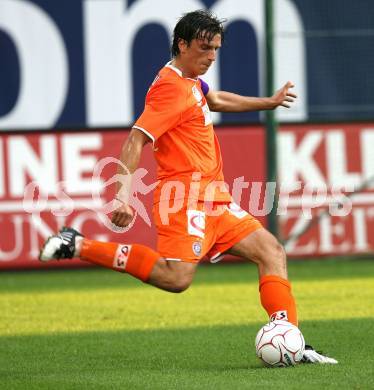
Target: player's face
(200, 55)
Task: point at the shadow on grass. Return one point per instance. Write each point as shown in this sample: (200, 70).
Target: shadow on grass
(97, 278)
(204, 357)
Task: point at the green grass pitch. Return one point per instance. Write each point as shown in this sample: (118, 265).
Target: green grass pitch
(97, 329)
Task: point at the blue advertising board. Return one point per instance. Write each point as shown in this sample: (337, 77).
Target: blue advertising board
(89, 63)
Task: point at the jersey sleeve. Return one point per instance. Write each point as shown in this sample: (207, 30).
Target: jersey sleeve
(164, 105)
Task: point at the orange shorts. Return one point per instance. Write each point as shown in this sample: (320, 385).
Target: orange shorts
(210, 229)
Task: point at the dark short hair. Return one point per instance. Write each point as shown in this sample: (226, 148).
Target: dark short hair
(198, 24)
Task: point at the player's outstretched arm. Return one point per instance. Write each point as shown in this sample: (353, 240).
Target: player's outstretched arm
(130, 157)
(222, 101)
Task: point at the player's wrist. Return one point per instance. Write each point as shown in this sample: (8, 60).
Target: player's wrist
(122, 194)
(271, 103)
(118, 198)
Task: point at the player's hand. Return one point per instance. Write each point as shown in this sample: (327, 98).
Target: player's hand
(283, 97)
(123, 215)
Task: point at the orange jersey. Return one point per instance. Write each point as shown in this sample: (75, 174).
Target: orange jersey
(177, 119)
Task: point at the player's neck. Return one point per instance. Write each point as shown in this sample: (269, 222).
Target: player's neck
(177, 63)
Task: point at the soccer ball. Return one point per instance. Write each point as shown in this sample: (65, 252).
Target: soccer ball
(280, 344)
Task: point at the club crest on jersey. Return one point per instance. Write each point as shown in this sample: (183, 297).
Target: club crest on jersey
(196, 93)
(196, 247)
(279, 315)
(196, 223)
(121, 257)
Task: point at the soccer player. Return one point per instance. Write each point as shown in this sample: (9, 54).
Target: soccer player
(177, 121)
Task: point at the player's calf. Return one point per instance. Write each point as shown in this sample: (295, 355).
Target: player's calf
(137, 260)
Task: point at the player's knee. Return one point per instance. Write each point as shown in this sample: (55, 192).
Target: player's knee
(279, 253)
(180, 275)
(181, 284)
(274, 254)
